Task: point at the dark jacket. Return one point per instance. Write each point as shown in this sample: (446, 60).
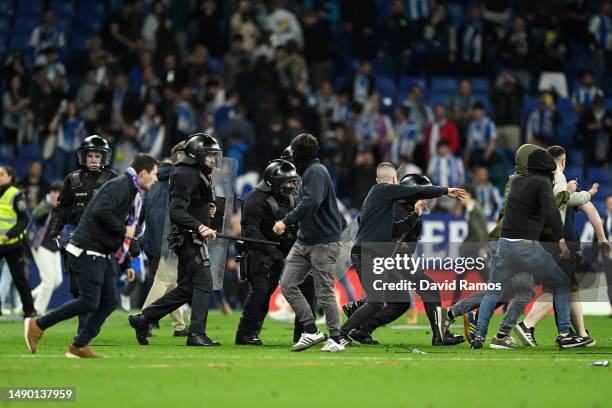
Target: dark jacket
(190, 197)
(377, 212)
(78, 189)
(258, 219)
(317, 212)
(155, 211)
(531, 202)
(40, 214)
(102, 226)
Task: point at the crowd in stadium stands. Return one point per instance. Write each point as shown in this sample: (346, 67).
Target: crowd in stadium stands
(450, 87)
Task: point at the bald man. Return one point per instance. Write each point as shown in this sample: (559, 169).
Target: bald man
(375, 227)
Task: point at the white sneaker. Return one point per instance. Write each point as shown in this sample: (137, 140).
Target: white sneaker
(332, 347)
(308, 340)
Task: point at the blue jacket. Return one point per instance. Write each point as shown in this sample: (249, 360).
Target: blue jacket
(155, 207)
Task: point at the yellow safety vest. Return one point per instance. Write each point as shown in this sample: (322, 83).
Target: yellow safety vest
(8, 215)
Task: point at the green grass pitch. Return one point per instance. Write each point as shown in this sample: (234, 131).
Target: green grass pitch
(168, 374)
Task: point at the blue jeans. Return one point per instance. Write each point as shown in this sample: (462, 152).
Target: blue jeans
(514, 257)
(97, 296)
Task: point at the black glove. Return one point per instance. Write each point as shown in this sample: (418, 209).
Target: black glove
(134, 250)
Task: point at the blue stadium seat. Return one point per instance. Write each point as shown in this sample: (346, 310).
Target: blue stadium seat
(5, 25)
(25, 24)
(438, 99)
(531, 103)
(63, 7)
(28, 152)
(608, 103)
(406, 83)
(597, 175)
(386, 87)
(456, 14)
(480, 85)
(30, 8)
(64, 23)
(444, 84)
(86, 25)
(79, 43)
(7, 152)
(564, 105)
(92, 8)
(20, 42)
(7, 8)
(3, 46)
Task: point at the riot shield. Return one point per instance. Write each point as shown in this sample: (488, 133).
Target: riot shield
(167, 271)
(223, 180)
(347, 240)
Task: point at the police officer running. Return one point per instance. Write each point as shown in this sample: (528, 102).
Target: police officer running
(271, 200)
(191, 195)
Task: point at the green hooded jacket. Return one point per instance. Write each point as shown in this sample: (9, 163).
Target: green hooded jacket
(520, 167)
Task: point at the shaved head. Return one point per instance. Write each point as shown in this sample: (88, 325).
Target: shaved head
(386, 173)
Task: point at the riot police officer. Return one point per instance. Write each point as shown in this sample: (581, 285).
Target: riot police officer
(407, 230)
(79, 187)
(271, 200)
(191, 195)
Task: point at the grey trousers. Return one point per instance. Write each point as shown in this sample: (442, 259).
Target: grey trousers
(320, 262)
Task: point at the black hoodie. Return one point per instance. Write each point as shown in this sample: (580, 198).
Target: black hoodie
(317, 212)
(531, 202)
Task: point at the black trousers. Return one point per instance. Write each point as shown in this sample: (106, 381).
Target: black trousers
(262, 284)
(97, 296)
(393, 310)
(14, 258)
(194, 285)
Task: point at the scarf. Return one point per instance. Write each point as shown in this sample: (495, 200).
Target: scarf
(132, 218)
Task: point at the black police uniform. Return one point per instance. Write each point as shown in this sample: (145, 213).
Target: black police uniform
(78, 189)
(190, 196)
(261, 209)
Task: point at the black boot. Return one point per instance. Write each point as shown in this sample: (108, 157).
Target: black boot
(141, 327)
(200, 340)
(362, 337)
(248, 340)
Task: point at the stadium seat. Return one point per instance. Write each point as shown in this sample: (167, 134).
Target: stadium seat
(24, 25)
(480, 85)
(564, 104)
(438, 99)
(20, 42)
(3, 46)
(444, 84)
(63, 8)
(5, 25)
(92, 8)
(386, 87)
(30, 8)
(29, 152)
(406, 83)
(608, 103)
(7, 8)
(598, 175)
(455, 13)
(64, 23)
(7, 152)
(79, 43)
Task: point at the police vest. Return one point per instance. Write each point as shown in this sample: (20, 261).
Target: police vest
(8, 215)
(80, 192)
